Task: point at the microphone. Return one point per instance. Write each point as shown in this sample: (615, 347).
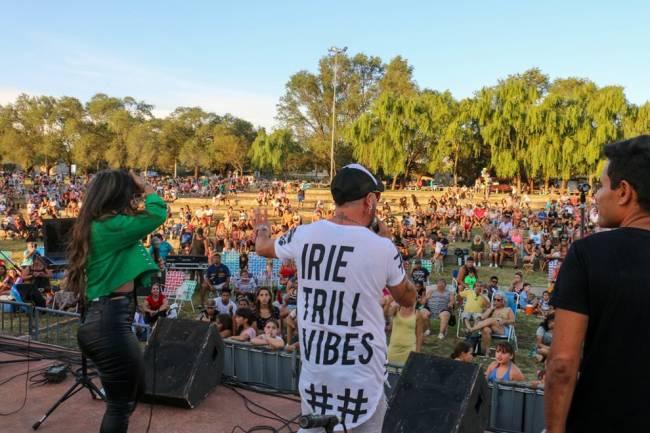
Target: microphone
(312, 421)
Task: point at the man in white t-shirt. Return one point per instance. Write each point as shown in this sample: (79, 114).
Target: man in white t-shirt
(343, 266)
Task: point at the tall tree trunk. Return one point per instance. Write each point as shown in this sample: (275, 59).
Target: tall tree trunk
(196, 172)
(394, 183)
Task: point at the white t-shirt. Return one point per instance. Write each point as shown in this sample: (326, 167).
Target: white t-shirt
(341, 273)
(229, 308)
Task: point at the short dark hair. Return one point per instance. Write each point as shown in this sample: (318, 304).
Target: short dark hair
(630, 160)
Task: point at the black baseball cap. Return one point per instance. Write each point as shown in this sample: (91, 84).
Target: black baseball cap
(353, 182)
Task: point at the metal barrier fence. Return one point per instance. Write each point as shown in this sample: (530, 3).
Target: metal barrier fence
(57, 327)
(516, 408)
(275, 369)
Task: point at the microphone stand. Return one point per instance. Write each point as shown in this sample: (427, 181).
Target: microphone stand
(83, 379)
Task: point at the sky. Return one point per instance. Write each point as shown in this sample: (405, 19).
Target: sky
(236, 57)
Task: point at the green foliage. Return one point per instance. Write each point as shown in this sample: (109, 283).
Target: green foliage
(306, 107)
(401, 132)
(276, 152)
(525, 127)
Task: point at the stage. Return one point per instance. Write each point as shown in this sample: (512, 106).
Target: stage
(220, 412)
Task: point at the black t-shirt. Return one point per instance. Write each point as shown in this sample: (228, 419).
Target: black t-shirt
(606, 277)
(420, 275)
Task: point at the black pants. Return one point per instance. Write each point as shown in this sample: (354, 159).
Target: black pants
(105, 337)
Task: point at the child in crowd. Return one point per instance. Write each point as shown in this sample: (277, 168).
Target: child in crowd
(224, 324)
(544, 307)
(504, 368)
(210, 313)
(462, 352)
(244, 321)
(270, 336)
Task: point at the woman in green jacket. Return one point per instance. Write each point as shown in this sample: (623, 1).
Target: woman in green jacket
(106, 261)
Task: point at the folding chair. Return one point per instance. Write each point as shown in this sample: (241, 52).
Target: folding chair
(184, 294)
(454, 280)
(510, 335)
(173, 280)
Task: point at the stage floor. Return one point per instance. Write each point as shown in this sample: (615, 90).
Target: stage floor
(220, 412)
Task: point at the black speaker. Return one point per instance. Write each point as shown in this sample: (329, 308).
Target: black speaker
(438, 395)
(30, 293)
(183, 362)
(57, 234)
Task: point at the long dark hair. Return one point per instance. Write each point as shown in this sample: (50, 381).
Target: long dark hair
(258, 304)
(109, 193)
(461, 347)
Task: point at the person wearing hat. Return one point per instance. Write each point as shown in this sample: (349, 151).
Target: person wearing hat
(343, 264)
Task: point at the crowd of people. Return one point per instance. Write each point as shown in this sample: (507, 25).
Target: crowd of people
(459, 226)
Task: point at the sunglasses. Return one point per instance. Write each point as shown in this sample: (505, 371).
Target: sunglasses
(498, 299)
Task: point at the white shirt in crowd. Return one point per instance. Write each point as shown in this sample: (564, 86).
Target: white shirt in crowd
(229, 308)
(341, 273)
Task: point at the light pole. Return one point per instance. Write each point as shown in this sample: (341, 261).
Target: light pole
(334, 51)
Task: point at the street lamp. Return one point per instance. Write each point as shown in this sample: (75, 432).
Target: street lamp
(334, 51)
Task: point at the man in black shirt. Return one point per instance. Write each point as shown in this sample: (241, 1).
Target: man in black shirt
(601, 298)
(420, 274)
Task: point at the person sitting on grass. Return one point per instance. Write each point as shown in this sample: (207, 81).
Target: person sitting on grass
(494, 320)
(462, 352)
(244, 321)
(544, 337)
(544, 307)
(504, 368)
(508, 250)
(155, 305)
(270, 337)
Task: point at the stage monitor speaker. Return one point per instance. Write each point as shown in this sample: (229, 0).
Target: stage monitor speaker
(438, 395)
(57, 234)
(187, 357)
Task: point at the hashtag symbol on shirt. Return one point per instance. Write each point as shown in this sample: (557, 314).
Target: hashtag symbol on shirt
(356, 411)
(319, 399)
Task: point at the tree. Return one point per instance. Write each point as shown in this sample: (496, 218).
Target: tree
(229, 149)
(399, 132)
(503, 114)
(561, 129)
(142, 144)
(276, 152)
(195, 136)
(637, 121)
(306, 107)
(398, 79)
(69, 114)
(459, 139)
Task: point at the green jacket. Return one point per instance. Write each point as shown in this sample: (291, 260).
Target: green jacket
(117, 255)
